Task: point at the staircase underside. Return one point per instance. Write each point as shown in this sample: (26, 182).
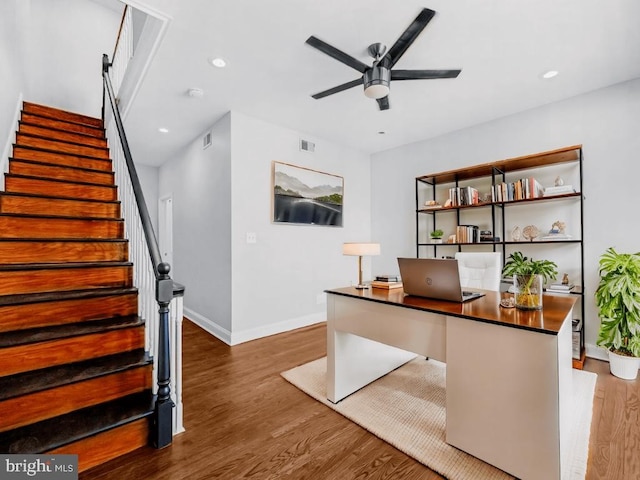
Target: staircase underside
(74, 374)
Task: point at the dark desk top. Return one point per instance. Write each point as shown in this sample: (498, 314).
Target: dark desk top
(555, 308)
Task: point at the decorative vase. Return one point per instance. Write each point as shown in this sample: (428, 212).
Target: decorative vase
(436, 240)
(528, 291)
(623, 366)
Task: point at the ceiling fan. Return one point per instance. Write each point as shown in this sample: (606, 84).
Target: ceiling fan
(377, 77)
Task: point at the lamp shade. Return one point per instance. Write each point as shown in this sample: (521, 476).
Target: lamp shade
(361, 249)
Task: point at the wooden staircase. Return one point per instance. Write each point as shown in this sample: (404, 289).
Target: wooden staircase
(74, 374)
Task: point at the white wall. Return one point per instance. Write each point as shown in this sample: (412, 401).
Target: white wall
(149, 178)
(200, 184)
(277, 281)
(13, 15)
(606, 122)
(66, 40)
(240, 291)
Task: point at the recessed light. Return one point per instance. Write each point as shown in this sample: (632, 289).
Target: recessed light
(550, 74)
(163, 130)
(218, 62)
(382, 132)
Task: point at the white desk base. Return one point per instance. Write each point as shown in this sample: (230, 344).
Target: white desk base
(508, 389)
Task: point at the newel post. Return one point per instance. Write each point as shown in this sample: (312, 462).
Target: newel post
(163, 414)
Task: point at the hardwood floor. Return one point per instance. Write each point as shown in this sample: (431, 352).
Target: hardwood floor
(243, 421)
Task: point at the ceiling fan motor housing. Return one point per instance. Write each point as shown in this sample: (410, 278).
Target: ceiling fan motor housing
(376, 81)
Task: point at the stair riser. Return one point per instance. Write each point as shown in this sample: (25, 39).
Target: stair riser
(46, 122)
(60, 173)
(46, 404)
(61, 312)
(22, 153)
(12, 252)
(37, 186)
(61, 280)
(101, 448)
(38, 227)
(54, 206)
(62, 136)
(36, 142)
(24, 358)
(60, 114)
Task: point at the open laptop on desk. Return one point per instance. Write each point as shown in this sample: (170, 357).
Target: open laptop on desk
(433, 278)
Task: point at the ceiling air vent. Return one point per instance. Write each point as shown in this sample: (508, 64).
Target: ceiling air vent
(206, 140)
(307, 146)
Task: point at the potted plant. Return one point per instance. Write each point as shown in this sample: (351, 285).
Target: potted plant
(529, 277)
(618, 303)
(436, 236)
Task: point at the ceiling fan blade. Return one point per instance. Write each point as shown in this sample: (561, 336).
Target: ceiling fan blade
(383, 103)
(408, 37)
(423, 74)
(339, 88)
(339, 55)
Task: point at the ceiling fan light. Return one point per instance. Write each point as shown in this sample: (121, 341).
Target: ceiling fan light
(376, 91)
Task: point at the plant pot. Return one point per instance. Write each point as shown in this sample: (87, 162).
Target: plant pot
(436, 240)
(623, 366)
(528, 291)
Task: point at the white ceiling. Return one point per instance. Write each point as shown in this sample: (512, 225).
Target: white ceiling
(502, 47)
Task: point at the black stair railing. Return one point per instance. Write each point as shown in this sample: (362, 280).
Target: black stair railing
(163, 415)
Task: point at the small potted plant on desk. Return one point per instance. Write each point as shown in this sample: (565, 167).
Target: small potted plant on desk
(436, 236)
(618, 303)
(529, 277)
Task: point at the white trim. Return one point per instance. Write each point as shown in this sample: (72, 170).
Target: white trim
(252, 334)
(280, 327)
(4, 160)
(209, 325)
(164, 25)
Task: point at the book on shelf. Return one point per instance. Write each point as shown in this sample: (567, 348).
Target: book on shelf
(386, 285)
(460, 196)
(467, 234)
(522, 189)
(555, 288)
(558, 190)
(561, 286)
(556, 236)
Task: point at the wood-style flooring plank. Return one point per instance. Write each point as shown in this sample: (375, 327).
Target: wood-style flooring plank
(244, 421)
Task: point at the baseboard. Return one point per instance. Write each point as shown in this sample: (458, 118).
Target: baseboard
(4, 160)
(594, 351)
(208, 325)
(235, 338)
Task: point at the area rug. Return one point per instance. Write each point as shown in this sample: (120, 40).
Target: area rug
(406, 408)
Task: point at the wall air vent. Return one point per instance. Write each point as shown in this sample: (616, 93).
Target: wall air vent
(307, 146)
(206, 140)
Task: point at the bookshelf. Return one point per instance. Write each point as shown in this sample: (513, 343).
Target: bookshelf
(503, 203)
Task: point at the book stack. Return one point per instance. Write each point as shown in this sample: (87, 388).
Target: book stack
(556, 236)
(519, 190)
(459, 196)
(467, 234)
(387, 282)
(560, 287)
(558, 190)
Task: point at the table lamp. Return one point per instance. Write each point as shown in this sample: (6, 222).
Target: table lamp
(359, 250)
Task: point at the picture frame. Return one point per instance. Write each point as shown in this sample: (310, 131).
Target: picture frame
(302, 196)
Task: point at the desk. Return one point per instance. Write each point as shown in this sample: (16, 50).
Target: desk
(508, 371)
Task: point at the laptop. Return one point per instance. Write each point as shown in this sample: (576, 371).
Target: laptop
(434, 278)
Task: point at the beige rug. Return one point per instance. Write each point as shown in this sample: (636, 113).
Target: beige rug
(406, 409)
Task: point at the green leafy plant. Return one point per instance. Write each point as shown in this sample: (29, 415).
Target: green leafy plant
(618, 302)
(437, 233)
(526, 269)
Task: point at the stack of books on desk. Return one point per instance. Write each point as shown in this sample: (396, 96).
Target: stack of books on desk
(387, 281)
(560, 287)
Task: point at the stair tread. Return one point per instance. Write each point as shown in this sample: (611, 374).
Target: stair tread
(57, 165)
(48, 266)
(37, 380)
(53, 197)
(56, 332)
(56, 432)
(48, 179)
(55, 240)
(26, 298)
(54, 130)
(47, 111)
(58, 152)
(42, 216)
